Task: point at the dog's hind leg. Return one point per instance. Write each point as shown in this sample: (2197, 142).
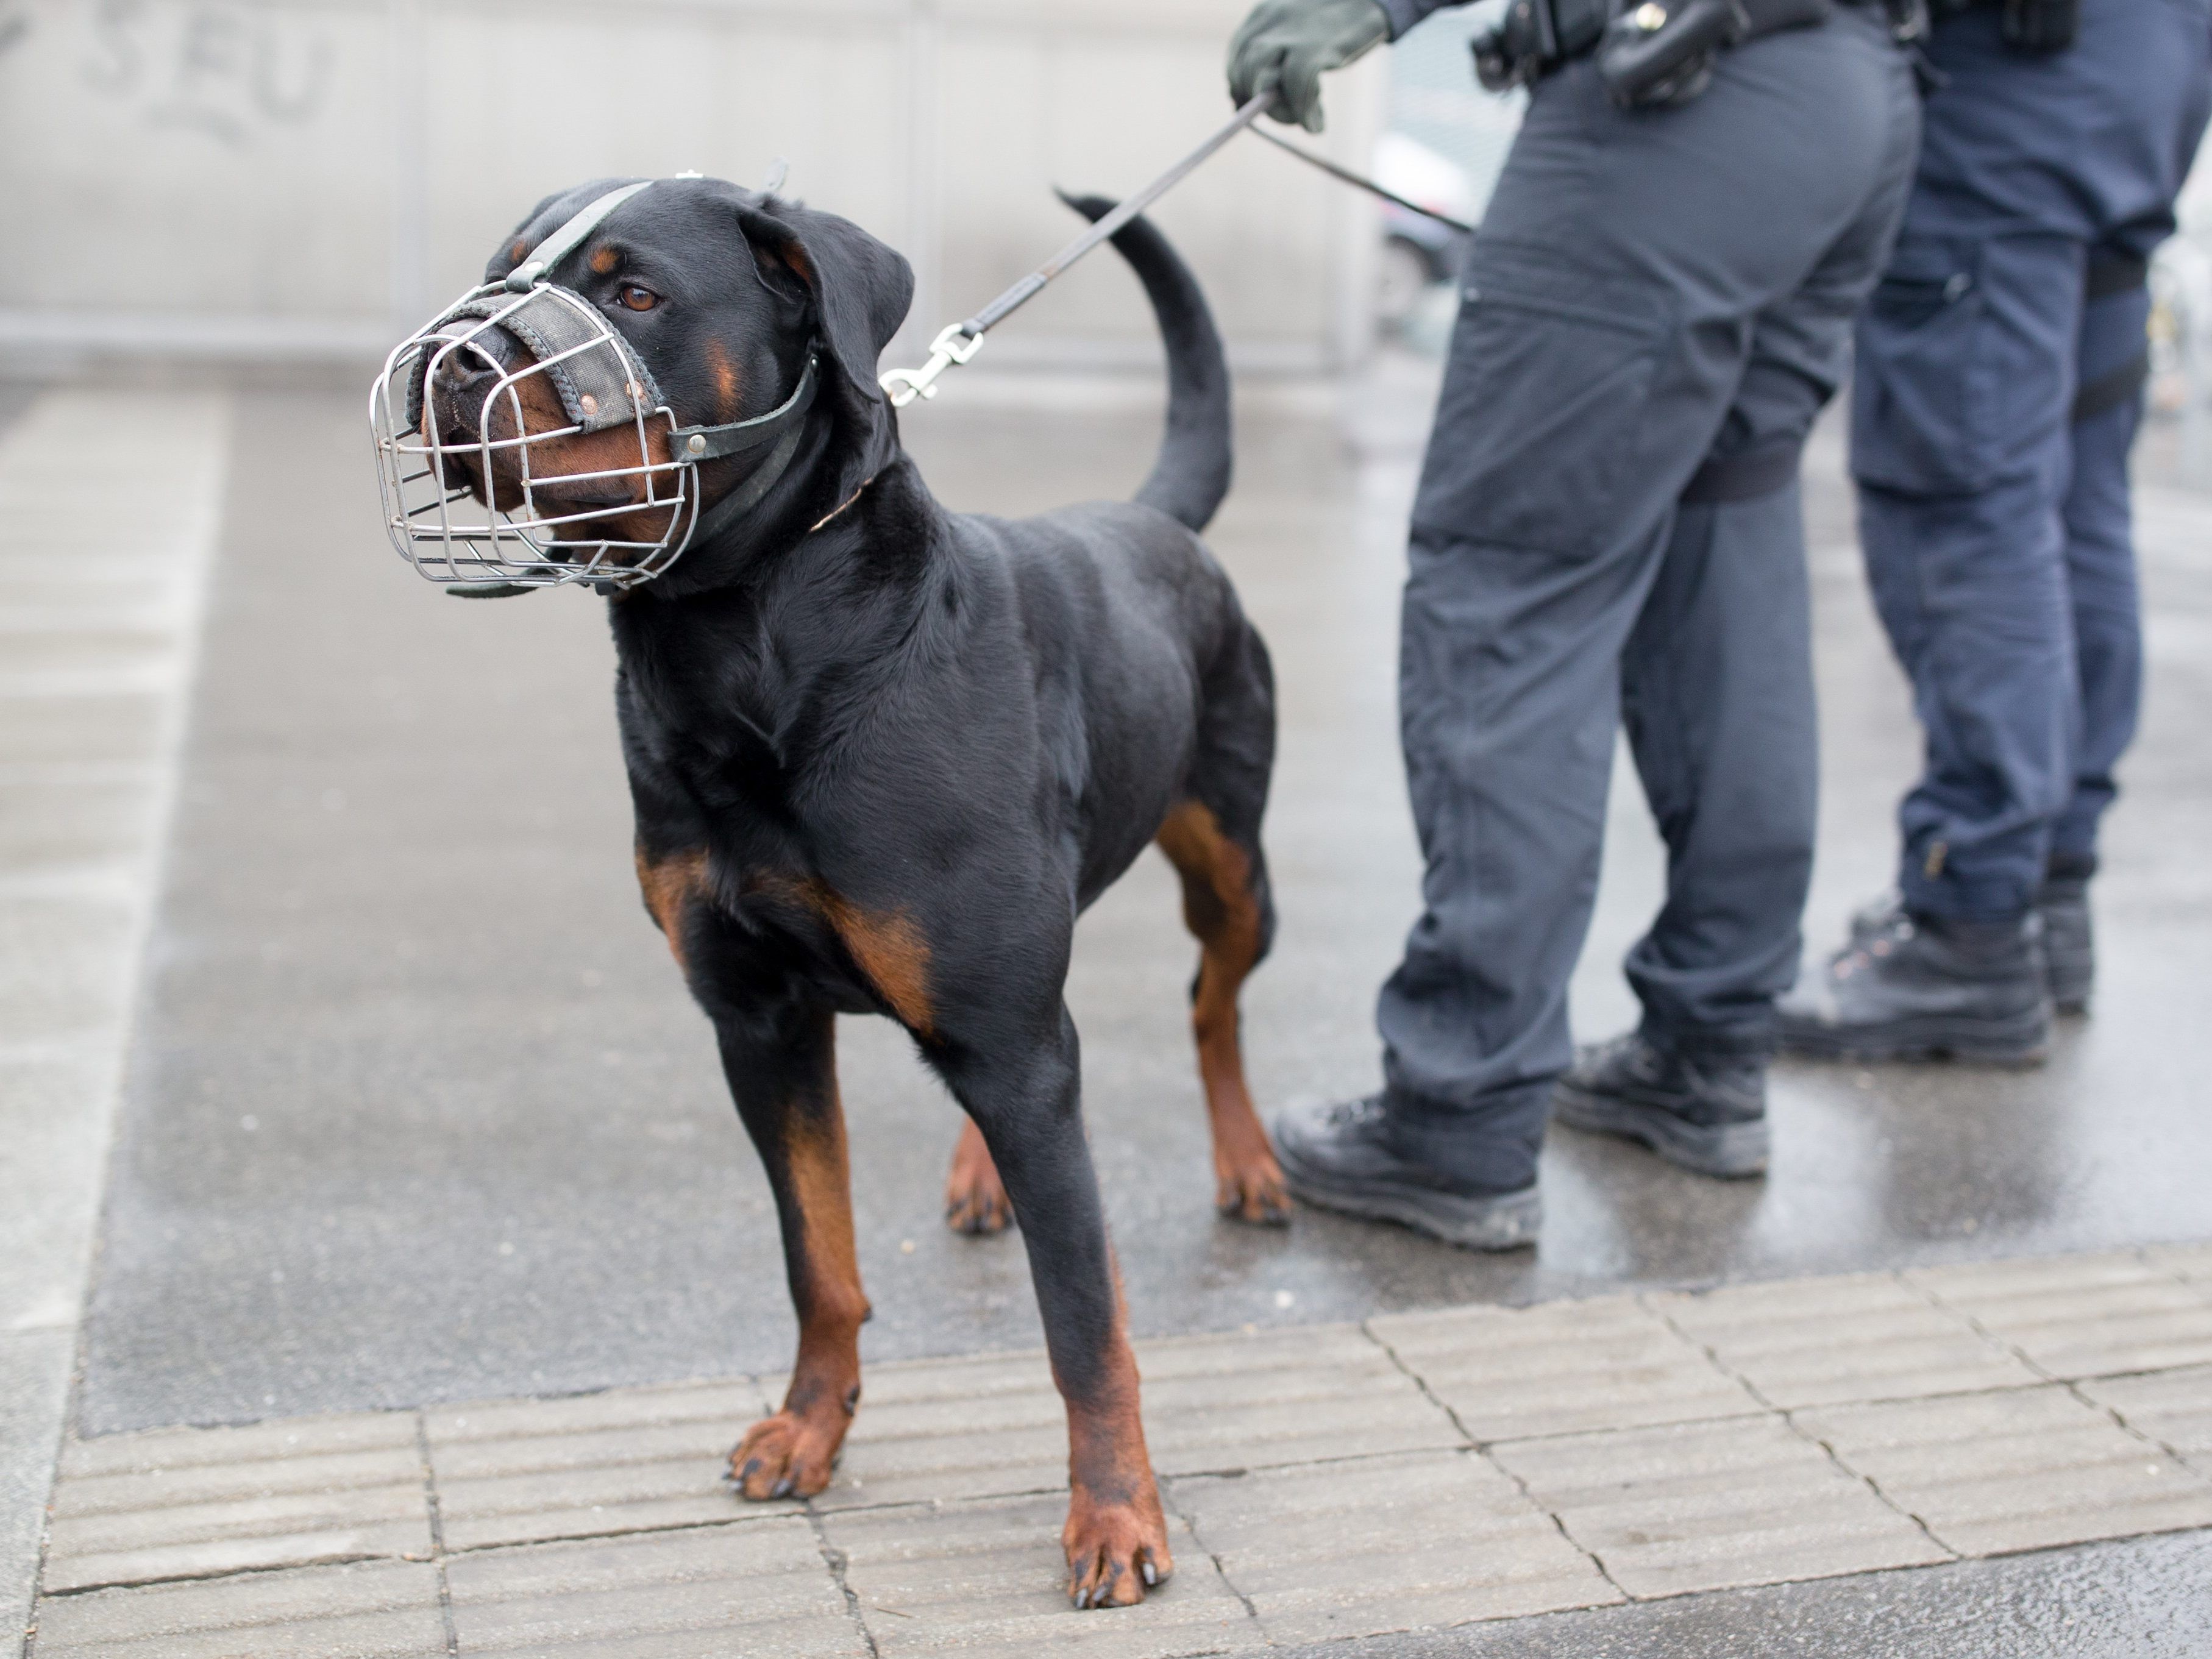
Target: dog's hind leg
(976, 1200)
(782, 1071)
(1213, 842)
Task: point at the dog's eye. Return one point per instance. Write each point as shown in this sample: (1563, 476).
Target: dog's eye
(636, 298)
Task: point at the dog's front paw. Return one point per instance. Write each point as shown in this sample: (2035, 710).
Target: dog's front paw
(786, 1456)
(1116, 1552)
(1253, 1191)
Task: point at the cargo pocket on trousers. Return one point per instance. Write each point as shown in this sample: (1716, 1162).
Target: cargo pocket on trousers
(1919, 421)
(1543, 424)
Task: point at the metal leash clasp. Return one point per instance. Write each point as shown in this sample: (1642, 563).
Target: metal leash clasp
(954, 346)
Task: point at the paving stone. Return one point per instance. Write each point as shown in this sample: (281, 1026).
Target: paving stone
(1707, 1505)
(938, 1430)
(1385, 1544)
(70, 825)
(180, 1502)
(2190, 1261)
(1813, 1342)
(995, 1426)
(35, 1383)
(988, 1579)
(2089, 1316)
(55, 1115)
(1263, 1399)
(2021, 1469)
(758, 1588)
(1508, 1373)
(629, 1460)
(67, 968)
(375, 1610)
(2172, 1406)
(43, 731)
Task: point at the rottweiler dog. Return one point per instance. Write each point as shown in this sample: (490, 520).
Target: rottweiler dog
(884, 755)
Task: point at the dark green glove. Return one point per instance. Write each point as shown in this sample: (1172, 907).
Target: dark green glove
(1286, 46)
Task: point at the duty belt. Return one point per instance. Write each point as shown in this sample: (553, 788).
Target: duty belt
(1656, 52)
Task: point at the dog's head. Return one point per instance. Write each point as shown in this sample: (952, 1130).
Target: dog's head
(721, 295)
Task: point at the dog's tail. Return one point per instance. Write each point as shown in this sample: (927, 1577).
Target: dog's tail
(1192, 474)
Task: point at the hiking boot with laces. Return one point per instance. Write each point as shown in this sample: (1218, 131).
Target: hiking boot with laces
(1344, 1158)
(1910, 987)
(1704, 1112)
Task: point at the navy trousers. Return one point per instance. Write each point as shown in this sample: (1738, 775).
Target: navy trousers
(1995, 522)
(1657, 305)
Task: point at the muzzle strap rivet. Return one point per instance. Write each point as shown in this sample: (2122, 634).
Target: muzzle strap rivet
(696, 444)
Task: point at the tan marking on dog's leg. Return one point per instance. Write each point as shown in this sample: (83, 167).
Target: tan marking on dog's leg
(791, 1454)
(671, 885)
(1220, 908)
(1115, 1530)
(976, 1200)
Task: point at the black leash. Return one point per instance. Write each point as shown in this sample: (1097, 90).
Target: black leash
(960, 343)
(1360, 181)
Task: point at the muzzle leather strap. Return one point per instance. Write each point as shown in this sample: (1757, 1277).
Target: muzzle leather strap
(714, 443)
(783, 427)
(570, 237)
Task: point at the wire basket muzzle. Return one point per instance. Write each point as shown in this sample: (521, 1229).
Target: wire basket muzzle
(522, 441)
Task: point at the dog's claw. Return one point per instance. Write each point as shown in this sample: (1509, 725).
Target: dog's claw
(786, 1456)
(1114, 1557)
(1255, 1196)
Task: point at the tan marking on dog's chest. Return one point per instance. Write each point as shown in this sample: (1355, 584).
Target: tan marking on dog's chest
(885, 945)
(671, 885)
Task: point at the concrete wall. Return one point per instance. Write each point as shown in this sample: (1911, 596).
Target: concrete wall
(299, 179)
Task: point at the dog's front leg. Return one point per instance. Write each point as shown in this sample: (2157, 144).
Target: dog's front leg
(783, 1072)
(1025, 1097)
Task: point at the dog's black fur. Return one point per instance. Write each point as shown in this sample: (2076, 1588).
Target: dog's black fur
(883, 755)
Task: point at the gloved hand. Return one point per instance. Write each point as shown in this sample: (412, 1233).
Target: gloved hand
(1285, 47)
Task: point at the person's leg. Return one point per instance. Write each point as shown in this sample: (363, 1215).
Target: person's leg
(1963, 450)
(1611, 308)
(2100, 560)
(1960, 401)
(2114, 361)
(1718, 700)
(1966, 379)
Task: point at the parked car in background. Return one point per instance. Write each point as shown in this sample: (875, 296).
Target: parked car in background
(1417, 251)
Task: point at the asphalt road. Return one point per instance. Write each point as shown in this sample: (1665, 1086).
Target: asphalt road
(418, 1109)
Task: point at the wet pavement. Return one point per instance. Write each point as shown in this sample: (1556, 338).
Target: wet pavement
(2142, 1599)
(419, 1111)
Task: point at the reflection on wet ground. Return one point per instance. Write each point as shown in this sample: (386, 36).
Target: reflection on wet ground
(419, 1109)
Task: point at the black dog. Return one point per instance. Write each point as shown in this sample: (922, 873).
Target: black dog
(881, 757)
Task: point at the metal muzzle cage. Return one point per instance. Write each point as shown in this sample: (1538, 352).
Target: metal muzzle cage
(453, 441)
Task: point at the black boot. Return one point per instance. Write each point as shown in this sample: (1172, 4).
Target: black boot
(2062, 903)
(1912, 986)
(1346, 1158)
(1704, 1112)
(2069, 939)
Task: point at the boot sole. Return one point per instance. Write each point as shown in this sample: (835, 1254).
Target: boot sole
(1505, 1221)
(2018, 1040)
(1732, 1151)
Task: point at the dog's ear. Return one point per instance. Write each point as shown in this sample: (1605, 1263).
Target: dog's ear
(861, 290)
